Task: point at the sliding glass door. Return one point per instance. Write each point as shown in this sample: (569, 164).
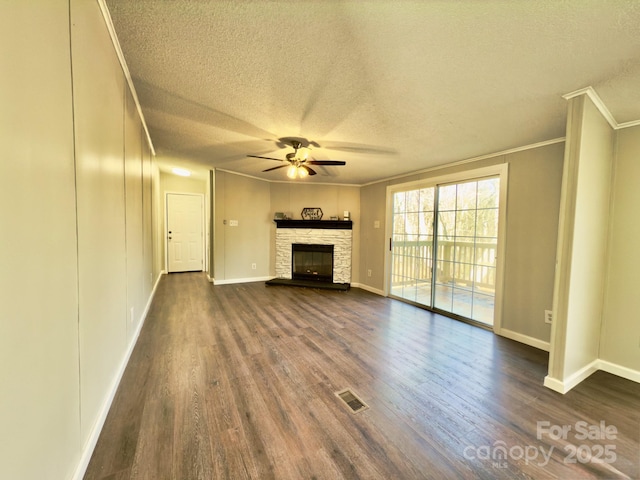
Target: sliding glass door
(412, 245)
(467, 240)
(444, 246)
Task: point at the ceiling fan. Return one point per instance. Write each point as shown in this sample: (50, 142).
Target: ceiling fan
(299, 160)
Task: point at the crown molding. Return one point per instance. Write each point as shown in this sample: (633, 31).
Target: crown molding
(597, 101)
(633, 123)
(602, 108)
(470, 160)
(125, 69)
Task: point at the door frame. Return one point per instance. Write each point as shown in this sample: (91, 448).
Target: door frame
(501, 170)
(165, 243)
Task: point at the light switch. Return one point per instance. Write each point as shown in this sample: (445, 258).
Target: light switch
(233, 223)
(376, 224)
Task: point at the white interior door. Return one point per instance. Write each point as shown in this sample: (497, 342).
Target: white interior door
(184, 232)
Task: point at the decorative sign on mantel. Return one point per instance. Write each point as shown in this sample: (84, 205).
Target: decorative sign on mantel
(312, 213)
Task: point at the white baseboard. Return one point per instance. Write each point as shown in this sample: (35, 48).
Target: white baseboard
(527, 340)
(368, 288)
(90, 445)
(563, 386)
(578, 376)
(241, 280)
(619, 370)
(554, 384)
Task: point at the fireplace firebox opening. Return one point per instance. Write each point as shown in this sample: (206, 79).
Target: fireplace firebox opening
(312, 262)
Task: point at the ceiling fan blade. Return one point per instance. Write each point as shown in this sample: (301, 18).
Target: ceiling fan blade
(326, 162)
(275, 168)
(266, 158)
(310, 170)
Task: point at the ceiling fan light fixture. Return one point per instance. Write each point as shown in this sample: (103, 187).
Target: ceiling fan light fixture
(299, 161)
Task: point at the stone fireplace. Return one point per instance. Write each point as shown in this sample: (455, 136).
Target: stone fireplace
(321, 236)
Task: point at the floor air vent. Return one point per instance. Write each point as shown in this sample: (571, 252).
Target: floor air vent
(355, 404)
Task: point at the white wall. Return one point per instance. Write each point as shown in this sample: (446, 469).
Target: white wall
(582, 246)
(373, 240)
(99, 112)
(533, 202)
(157, 222)
(236, 248)
(150, 233)
(620, 344)
(590, 224)
(77, 216)
(40, 390)
(134, 221)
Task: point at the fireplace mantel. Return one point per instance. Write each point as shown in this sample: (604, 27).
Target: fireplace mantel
(317, 224)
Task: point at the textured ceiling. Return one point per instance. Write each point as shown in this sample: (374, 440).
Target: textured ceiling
(391, 87)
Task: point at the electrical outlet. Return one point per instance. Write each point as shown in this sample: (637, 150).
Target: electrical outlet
(369, 273)
(233, 223)
(548, 316)
(376, 224)
(253, 266)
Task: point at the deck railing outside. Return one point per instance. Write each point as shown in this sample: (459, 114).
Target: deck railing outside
(459, 263)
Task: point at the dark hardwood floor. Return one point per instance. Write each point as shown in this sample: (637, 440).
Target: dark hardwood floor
(239, 381)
